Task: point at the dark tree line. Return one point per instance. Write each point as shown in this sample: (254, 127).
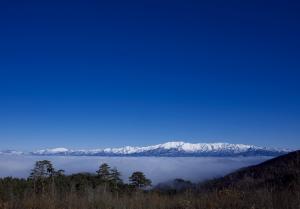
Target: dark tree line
(48, 188)
(44, 174)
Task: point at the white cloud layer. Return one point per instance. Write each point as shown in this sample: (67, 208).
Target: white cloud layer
(158, 169)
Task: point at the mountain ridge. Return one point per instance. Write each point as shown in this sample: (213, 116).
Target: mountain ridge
(170, 149)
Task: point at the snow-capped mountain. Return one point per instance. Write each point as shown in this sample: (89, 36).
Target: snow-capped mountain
(172, 149)
(10, 152)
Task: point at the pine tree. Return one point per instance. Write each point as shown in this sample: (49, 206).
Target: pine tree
(42, 169)
(104, 172)
(139, 180)
(40, 174)
(115, 177)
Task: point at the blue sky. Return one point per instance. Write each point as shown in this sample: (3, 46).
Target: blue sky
(85, 74)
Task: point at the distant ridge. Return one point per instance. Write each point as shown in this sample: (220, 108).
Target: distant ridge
(171, 149)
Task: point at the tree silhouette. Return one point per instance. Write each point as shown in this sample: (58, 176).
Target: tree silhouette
(42, 169)
(42, 172)
(115, 177)
(139, 180)
(104, 172)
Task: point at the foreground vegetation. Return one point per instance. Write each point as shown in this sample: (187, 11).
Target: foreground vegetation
(260, 187)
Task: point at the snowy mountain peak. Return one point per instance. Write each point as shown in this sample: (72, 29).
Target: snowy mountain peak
(171, 149)
(53, 151)
(172, 145)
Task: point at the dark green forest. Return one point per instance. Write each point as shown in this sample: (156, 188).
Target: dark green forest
(274, 184)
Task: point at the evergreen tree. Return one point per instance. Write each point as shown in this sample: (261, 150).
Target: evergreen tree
(104, 172)
(42, 172)
(139, 180)
(42, 169)
(115, 177)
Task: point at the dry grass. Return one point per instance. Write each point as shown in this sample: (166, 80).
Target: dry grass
(98, 199)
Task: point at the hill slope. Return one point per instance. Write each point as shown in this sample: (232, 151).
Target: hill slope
(282, 172)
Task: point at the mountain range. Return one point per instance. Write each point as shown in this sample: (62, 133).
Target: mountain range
(169, 149)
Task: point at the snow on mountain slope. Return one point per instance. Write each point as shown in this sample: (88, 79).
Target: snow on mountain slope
(10, 152)
(171, 149)
(51, 151)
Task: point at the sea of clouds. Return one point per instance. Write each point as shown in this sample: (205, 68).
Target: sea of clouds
(158, 169)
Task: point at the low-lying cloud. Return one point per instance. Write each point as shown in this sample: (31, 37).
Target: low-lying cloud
(158, 169)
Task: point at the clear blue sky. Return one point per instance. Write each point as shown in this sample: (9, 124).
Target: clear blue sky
(84, 74)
